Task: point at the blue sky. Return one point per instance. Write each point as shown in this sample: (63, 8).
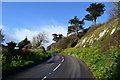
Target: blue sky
(20, 19)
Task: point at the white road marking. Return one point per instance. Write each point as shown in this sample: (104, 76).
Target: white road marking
(49, 73)
(44, 78)
(57, 67)
(62, 59)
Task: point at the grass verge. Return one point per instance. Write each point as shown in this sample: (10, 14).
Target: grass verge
(102, 64)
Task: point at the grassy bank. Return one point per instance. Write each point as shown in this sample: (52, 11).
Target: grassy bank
(22, 60)
(102, 64)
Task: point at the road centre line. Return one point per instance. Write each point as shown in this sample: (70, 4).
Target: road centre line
(62, 59)
(57, 67)
(44, 78)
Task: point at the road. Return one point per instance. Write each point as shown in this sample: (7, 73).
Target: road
(62, 66)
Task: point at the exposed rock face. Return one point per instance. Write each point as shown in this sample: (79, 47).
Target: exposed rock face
(106, 35)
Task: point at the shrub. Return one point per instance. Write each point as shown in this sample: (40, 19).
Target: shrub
(21, 60)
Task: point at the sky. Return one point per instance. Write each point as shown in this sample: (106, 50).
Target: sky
(21, 19)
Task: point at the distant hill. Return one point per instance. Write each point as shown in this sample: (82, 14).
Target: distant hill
(66, 42)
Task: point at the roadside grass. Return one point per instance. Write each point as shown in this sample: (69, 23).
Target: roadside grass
(22, 60)
(102, 64)
(53, 51)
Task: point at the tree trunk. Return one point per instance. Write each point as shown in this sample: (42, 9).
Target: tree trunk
(95, 21)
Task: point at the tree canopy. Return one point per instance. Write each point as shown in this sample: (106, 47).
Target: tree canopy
(95, 10)
(23, 43)
(11, 46)
(40, 39)
(75, 25)
(57, 37)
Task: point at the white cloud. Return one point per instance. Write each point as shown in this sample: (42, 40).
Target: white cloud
(49, 30)
(20, 34)
(54, 29)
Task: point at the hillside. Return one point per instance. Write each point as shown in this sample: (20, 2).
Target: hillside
(66, 42)
(99, 35)
(103, 37)
(100, 50)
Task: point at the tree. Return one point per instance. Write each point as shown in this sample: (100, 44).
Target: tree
(1, 36)
(115, 9)
(23, 43)
(40, 39)
(57, 37)
(75, 26)
(95, 10)
(11, 46)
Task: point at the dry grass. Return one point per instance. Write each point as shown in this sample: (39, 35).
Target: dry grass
(67, 42)
(94, 27)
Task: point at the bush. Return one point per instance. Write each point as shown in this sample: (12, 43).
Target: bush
(22, 60)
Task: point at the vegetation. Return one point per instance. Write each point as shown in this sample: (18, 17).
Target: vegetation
(57, 37)
(22, 60)
(23, 43)
(103, 37)
(98, 46)
(102, 64)
(115, 9)
(67, 42)
(95, 10)
(39, 39)
(53, 51)
(76, 25)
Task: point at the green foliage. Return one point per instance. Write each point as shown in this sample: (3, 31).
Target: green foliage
(102, 64)
(23, 43)
(95, 10)
(53, 51)
(76, 25)
(57, 37)
(22, 60)
(38, 43)
(11, 46)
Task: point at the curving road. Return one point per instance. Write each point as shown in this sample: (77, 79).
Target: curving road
(61, 66)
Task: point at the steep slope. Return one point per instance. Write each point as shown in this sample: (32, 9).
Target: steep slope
(103, 37)
(100, 50)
